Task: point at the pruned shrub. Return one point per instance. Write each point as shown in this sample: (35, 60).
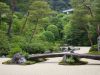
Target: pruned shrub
(33, 48)
(47, 36)
(54, 30)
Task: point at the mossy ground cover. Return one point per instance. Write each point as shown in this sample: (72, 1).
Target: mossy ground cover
(71, 60)
(76, 63)
(94, 53)
(94, 50)
(28, 62)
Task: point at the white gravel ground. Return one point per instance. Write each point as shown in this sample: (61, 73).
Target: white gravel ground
(51, 67)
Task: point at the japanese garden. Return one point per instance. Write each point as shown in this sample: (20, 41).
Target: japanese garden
(49, 37)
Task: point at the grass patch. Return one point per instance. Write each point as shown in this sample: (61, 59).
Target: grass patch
(74, 63)
(72, 60)
(94, 53)
(29, 62)
(94, 50)
(9, 62)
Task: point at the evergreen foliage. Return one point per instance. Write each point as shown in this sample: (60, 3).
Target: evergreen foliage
(34, 26)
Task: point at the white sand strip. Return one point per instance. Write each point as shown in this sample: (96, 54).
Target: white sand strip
(51, 67)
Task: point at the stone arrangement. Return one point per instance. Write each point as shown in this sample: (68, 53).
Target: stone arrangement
(18, 59)
(98, 40)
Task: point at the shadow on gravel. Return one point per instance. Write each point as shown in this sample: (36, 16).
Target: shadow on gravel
(49, 63)
(94, 64)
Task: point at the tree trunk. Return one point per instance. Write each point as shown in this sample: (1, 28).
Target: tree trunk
(98, 30)
(89, 36)
(34, 31)
(23, 27)
(13, 6)
(0, 19)
(88, 56)
(9, 27)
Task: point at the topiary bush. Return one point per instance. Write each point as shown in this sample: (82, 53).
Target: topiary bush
(47, 36)
(34, 48)
(54, 30)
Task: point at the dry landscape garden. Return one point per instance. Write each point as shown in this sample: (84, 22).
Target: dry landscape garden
(49, 37)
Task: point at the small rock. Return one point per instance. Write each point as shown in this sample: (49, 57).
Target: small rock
(3, 56)
(64, 58)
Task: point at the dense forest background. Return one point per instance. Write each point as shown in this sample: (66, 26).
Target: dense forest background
(35, 26)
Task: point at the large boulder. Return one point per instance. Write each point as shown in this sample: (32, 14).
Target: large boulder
(18, 59)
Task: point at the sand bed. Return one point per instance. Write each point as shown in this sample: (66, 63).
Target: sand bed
(51, 67)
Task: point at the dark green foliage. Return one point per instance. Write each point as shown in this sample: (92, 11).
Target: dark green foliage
(4, 12)
(34, 48)
(35, 27)
(60, 20)
(4, 44)
(81, 24)
(96, 10)
(40, 46)
(54, 30)
(17, 49)
(75, 36)
(3, 8)
(94, 48)
(47, 36)
(59, 5)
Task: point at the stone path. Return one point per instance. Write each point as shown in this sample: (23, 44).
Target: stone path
(51, 67)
